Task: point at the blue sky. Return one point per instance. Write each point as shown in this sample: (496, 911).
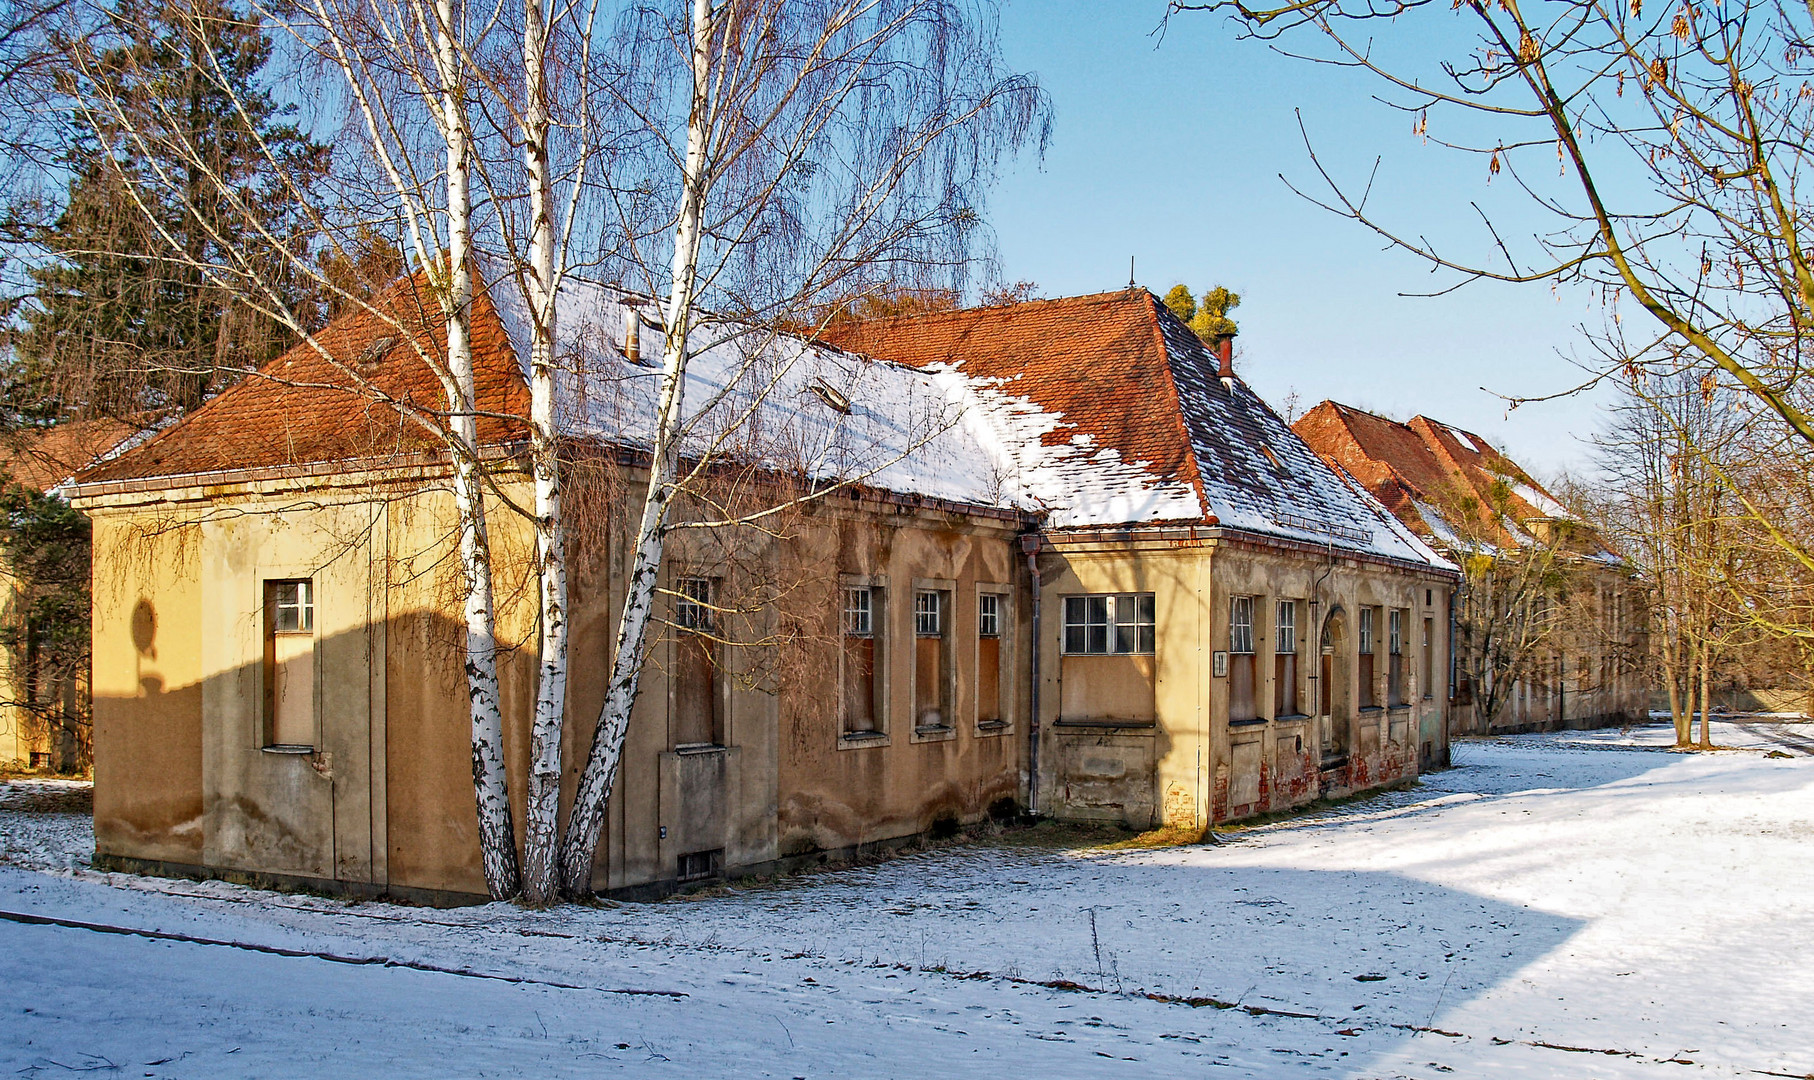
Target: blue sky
(1170, 151)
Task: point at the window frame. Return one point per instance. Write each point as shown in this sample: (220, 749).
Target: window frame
(988, 615)
(695, 599)
(305, 600)
(1103, 624)
(304, 605)
(1240, 625)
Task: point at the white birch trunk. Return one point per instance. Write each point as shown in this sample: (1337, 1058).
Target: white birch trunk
(540, 850)
(497, 835)
(586, 822)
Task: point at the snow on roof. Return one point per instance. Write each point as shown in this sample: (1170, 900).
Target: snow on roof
(1147, 432)
(931, 430)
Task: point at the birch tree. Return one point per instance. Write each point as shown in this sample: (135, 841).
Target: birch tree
(812, 150)
(404, 73)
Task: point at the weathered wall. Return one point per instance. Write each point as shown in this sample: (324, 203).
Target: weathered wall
(839, 791)
(1189, 765)
(384, 800)
(148, 677)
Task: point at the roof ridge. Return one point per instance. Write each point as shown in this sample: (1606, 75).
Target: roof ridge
(1157, 312)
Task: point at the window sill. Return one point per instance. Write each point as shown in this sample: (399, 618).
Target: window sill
(1103, 722)
(1369, 709)
(1292, 718)
(1398, 708)
(699, 748)
(938, 733)
(288, 748)
(1257, 721)
(856, 740)
(989, 728)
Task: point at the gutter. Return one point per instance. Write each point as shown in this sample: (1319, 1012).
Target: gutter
(1030, 544)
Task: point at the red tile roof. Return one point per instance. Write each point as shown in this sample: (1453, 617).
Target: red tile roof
(1099, 361)
(300, 409)
(41, 458)
(1121, 371)
(1427, 463)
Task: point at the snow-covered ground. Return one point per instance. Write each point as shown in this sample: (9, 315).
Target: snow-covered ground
(1549, 908)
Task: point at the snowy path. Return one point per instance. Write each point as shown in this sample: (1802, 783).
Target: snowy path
(1551, 908)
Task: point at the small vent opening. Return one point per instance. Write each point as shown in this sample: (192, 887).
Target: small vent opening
(833, 400)
(701, 865)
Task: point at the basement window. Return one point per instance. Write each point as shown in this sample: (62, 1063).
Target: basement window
(833, 399)
(700, 865)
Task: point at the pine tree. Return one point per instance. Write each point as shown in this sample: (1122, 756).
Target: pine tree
(121, 318)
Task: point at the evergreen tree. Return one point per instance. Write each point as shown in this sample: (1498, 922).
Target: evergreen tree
(122, 318)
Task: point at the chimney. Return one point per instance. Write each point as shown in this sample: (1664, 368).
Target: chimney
(632, 335)
(1227, 372)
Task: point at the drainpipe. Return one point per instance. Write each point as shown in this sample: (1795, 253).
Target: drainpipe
(1029, 545)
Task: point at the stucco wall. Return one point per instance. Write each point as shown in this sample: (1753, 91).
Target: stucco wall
(148, 677)
(1191, 766)
(837, 791)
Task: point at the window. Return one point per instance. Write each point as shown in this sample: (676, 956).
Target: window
(289, 667)
(931, 661)
(1285, 659)
(1427, 673)
(1367, 698)
(862, 687)
(1395, 657)
(1240, 625)
(698, 696)
(700, 865)
(928, 613)
(859, 612)
(991, 710)
(693, 607)
(1109, 624)
(295, 606)
(1241, 703)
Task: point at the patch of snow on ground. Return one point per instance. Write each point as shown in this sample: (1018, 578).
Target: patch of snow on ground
(1545, 897)
(46, 824)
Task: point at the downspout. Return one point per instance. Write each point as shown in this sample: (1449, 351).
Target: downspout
(1029, 545)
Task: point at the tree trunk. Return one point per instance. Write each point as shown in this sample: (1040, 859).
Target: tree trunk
(1706, 695)
(497, 834)
(586, 822)
(540, 849)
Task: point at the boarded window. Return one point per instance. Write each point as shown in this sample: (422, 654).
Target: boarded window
(1241, 660)
(1368, 700)
(698, 705)
(1395, 657)
(1106, 625)
(1426, 676)
(861, 689)
(1285, 659)
(931, 664)
(289, 663)
(989, 707)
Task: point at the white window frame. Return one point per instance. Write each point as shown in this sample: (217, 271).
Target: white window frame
(1240, 625)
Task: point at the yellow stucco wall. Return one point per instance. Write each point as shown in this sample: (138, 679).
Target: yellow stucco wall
(1189, 766)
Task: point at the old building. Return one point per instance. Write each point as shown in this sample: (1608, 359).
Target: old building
(1547, 611)
(1225, 625)
(1067, 561)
